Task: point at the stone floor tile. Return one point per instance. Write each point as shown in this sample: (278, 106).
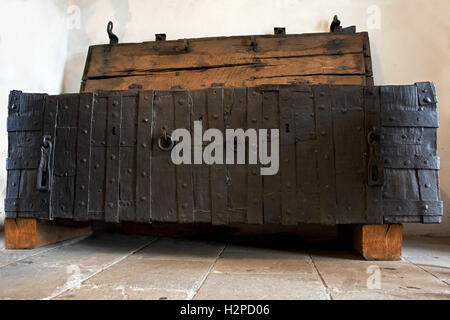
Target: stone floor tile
(354, 278)
(140, 272)
(52, 272)
(109, 292)
(430, 254)
(263, 252)
(251, 260)
(169, 249)
(261, 287)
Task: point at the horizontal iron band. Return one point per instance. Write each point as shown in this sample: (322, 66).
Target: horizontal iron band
(427, 119)
(30, 204)
(24, 123)
(21, 163)
(432, 163)
(413, 219)
(412, 208)
(22, 214)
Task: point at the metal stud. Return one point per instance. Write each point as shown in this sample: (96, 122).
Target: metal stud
(427, 100)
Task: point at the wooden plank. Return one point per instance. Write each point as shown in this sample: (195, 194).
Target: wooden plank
(307, 180)
(127, 163)
(127, 185)
(218, 174)
(200, 171)
(185, 200)
(83, 154)
(204, 79)
(163, 181)
(289, 214)
(113, 136)
(271, 184)
(325, 153)
(346, 64)
(158, 56)
(97, 184)
(144, 156)
(33, 233)
(66, 152)
(97, 181)
(235, 107)
(349, 145)
(398, 98)
(255, 180)
(12, 191)
(64, 171)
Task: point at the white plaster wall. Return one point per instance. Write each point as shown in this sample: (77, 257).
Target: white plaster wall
(410, 41)
(33, 48)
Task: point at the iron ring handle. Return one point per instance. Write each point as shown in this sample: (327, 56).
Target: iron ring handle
(165, 142)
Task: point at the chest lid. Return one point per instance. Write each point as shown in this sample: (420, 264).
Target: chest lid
(238, 61)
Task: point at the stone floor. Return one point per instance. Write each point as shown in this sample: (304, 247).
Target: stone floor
(114, 266)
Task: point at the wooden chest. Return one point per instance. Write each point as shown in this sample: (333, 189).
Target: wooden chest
(349, 152)
(347, 155)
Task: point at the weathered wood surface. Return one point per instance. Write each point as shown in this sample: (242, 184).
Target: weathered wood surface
(377, 242)
(33, 233)
(241, 61)
(325, 156)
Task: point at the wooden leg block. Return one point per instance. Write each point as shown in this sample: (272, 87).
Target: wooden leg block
(32, 233)
(378, 242)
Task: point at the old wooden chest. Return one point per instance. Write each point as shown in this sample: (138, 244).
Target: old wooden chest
(347, 154)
